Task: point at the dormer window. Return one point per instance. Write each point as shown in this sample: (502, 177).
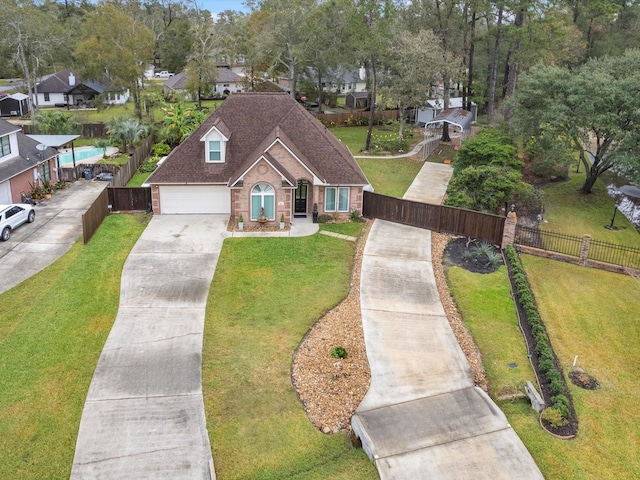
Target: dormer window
(215, 151)
(5, 146)
(215, 144)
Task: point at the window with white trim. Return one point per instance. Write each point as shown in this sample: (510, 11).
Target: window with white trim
(336, 199)
(5, 146)
(263, 196)
(215, 151)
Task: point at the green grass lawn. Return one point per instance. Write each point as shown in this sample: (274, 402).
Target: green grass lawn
(589, 313)
(592, 314)
(485, 303)
(569, 211)
(390, 176)
(138, 179)
(52, 329)
(265, 295)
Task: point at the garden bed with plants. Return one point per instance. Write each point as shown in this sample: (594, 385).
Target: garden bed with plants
(560, 416)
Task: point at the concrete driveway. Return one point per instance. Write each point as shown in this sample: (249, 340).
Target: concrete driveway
(33, 246)
(144, 413)
(422, 417)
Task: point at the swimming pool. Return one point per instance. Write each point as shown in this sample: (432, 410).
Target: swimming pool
(83, 154)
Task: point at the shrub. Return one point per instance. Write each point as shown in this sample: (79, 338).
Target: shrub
(355, 216)
(161, 149)
(560, 412)
(554, 417)
(324, 218)
(338, 352)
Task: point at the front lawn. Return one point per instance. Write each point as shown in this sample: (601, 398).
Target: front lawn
(52, 329)
(265, 295)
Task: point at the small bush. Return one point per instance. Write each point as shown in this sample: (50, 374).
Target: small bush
(324, 218)
(338, 352)
(355, 216)
(161, 149)
(554, 417)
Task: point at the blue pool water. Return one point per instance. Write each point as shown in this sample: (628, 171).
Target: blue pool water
(80, 155)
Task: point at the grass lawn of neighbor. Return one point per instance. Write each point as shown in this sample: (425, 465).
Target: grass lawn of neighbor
(568, 210)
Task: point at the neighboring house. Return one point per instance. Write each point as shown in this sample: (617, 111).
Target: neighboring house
(64, 88)
(259, 153)
(24, 163)
(342, 81)
(226, 83)
(435, 107)
(12, 105)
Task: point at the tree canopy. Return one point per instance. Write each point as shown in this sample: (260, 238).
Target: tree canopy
(593, 110)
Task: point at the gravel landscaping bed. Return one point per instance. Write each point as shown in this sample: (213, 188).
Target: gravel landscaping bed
(331, 389)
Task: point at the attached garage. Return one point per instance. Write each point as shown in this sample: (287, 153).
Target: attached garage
(195, 199)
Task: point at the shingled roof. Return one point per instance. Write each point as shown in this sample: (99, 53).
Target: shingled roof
(28, 154)
(255, 121)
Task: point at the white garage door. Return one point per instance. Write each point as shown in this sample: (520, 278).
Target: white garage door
(195, 199)
(5, 193)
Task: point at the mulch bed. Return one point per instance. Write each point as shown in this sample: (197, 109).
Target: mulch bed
(457, 253)
(582, 379)
(571, 428)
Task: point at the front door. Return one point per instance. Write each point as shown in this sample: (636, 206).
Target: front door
(300, 206)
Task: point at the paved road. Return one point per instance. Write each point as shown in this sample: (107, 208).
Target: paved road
(58, 225)
(422, 417)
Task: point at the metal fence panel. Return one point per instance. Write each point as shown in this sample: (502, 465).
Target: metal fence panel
(548, 240)
(606, 252)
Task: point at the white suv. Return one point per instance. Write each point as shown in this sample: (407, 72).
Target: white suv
(14, 215)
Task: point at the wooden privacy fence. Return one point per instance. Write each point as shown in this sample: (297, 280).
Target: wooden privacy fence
(94, 215)
(129, 198)
(439, 218)
(353, 118)
(121, 174)
(585, 250)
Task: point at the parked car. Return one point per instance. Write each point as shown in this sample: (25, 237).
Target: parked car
(164, 74)
(14, 215)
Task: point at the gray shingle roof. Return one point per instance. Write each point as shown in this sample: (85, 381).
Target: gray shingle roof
(255, 120)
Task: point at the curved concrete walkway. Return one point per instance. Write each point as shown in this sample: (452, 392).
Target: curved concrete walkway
(144, 414)
(413, 152)
(422, 417)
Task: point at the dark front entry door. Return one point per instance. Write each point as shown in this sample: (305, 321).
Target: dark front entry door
(301, 197)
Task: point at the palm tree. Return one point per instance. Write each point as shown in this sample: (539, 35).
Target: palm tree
(102, 144)
(126, 133)
(53, 122)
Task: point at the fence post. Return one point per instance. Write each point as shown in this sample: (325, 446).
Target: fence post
(584, 250)
(509, 230)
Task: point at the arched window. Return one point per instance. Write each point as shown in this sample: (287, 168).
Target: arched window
(263, 196)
